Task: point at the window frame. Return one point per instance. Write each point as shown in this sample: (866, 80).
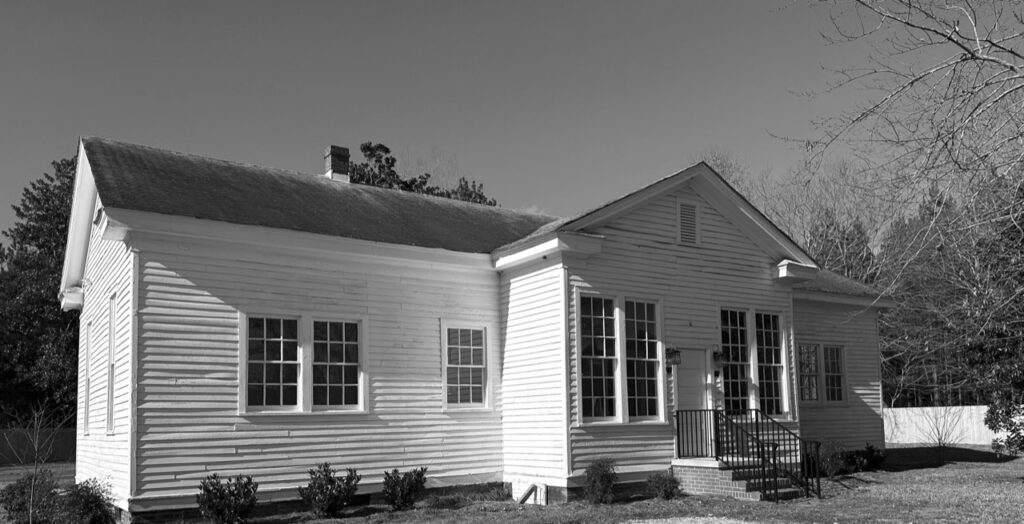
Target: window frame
(621, 416)
(111, 353)
(453, 323)
(307, 363)
(87, 396)
(304, 404)
(819, 355)
(786, 341)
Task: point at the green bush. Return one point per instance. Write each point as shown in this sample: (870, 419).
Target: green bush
(327, 493)
(663, 485)
(228, 502)
(31, 498)
(401, 490)
(88, 502)
(832, 459)
(601, 479)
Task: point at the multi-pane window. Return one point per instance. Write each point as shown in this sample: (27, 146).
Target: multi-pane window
(464, 350)
(273, 362)
(769, 362)
(87, 394)
(111, 346)
(833, 367)
(335, 363)
(736, 360)
(597, 356)
(822, 374)
(641, 359)
(809, 372)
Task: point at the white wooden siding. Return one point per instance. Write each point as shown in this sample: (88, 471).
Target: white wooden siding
(188, 422)
(858, 420)
(534, 395)
(641, 258)
(100, 455)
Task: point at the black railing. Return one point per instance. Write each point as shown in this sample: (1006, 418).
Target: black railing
(752, 456)
(753, 434)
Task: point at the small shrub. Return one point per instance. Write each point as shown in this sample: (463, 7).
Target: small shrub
(327, 494)
(31, 498)
(832, 459)
(873, 457)
(402, 490)
(663, 485)
(88, 502)
(601, 479)
(228, 502)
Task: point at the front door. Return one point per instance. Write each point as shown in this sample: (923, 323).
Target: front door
(692, 393)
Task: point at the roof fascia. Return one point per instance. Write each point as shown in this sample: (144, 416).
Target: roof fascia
(749, 219)
(633, 200)
(837, 298)
(121, 224)
(76, 248)
(563, 242)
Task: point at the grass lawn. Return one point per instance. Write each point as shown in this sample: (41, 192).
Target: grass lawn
(916, 484)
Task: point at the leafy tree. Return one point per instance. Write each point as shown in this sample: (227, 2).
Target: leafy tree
(38, 342)
(380, 169)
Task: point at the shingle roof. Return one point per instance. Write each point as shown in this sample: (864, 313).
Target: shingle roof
(143, 178)
(828, 282)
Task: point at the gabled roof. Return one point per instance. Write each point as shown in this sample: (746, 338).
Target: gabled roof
(141, 178)
(710, 185)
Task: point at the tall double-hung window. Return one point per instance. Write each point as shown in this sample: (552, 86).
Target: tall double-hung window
(620, 360)
(764, 359)
(302, 364)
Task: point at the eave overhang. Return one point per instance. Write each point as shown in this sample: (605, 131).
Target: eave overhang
(562, 242)
(76, 248)
(880, 301)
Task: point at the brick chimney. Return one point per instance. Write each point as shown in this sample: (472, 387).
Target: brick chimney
(336, 163)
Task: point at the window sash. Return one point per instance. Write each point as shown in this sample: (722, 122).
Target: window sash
(272, 362)
(598, 360)
(809, 372)
(736, 360)
(111, 350)
(641, 359)
(335, 363)
(834, 374)
(465, 366)
(769, 362)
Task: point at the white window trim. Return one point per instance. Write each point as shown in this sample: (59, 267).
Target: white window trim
(455, 323)
(621, 408)
(304, 405)
(819, 354)
(111, 353)
(754, 386)
(681, 201)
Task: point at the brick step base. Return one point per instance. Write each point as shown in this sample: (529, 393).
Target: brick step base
(741, 483)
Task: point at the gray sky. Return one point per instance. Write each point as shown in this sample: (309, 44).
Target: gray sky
(554, 106)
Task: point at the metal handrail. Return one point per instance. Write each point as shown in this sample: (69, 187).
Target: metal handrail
(761, 460)
(699, 433)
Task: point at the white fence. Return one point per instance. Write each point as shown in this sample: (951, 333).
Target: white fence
(948, 425)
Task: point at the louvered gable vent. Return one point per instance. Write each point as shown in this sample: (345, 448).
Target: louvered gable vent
(688, 223)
